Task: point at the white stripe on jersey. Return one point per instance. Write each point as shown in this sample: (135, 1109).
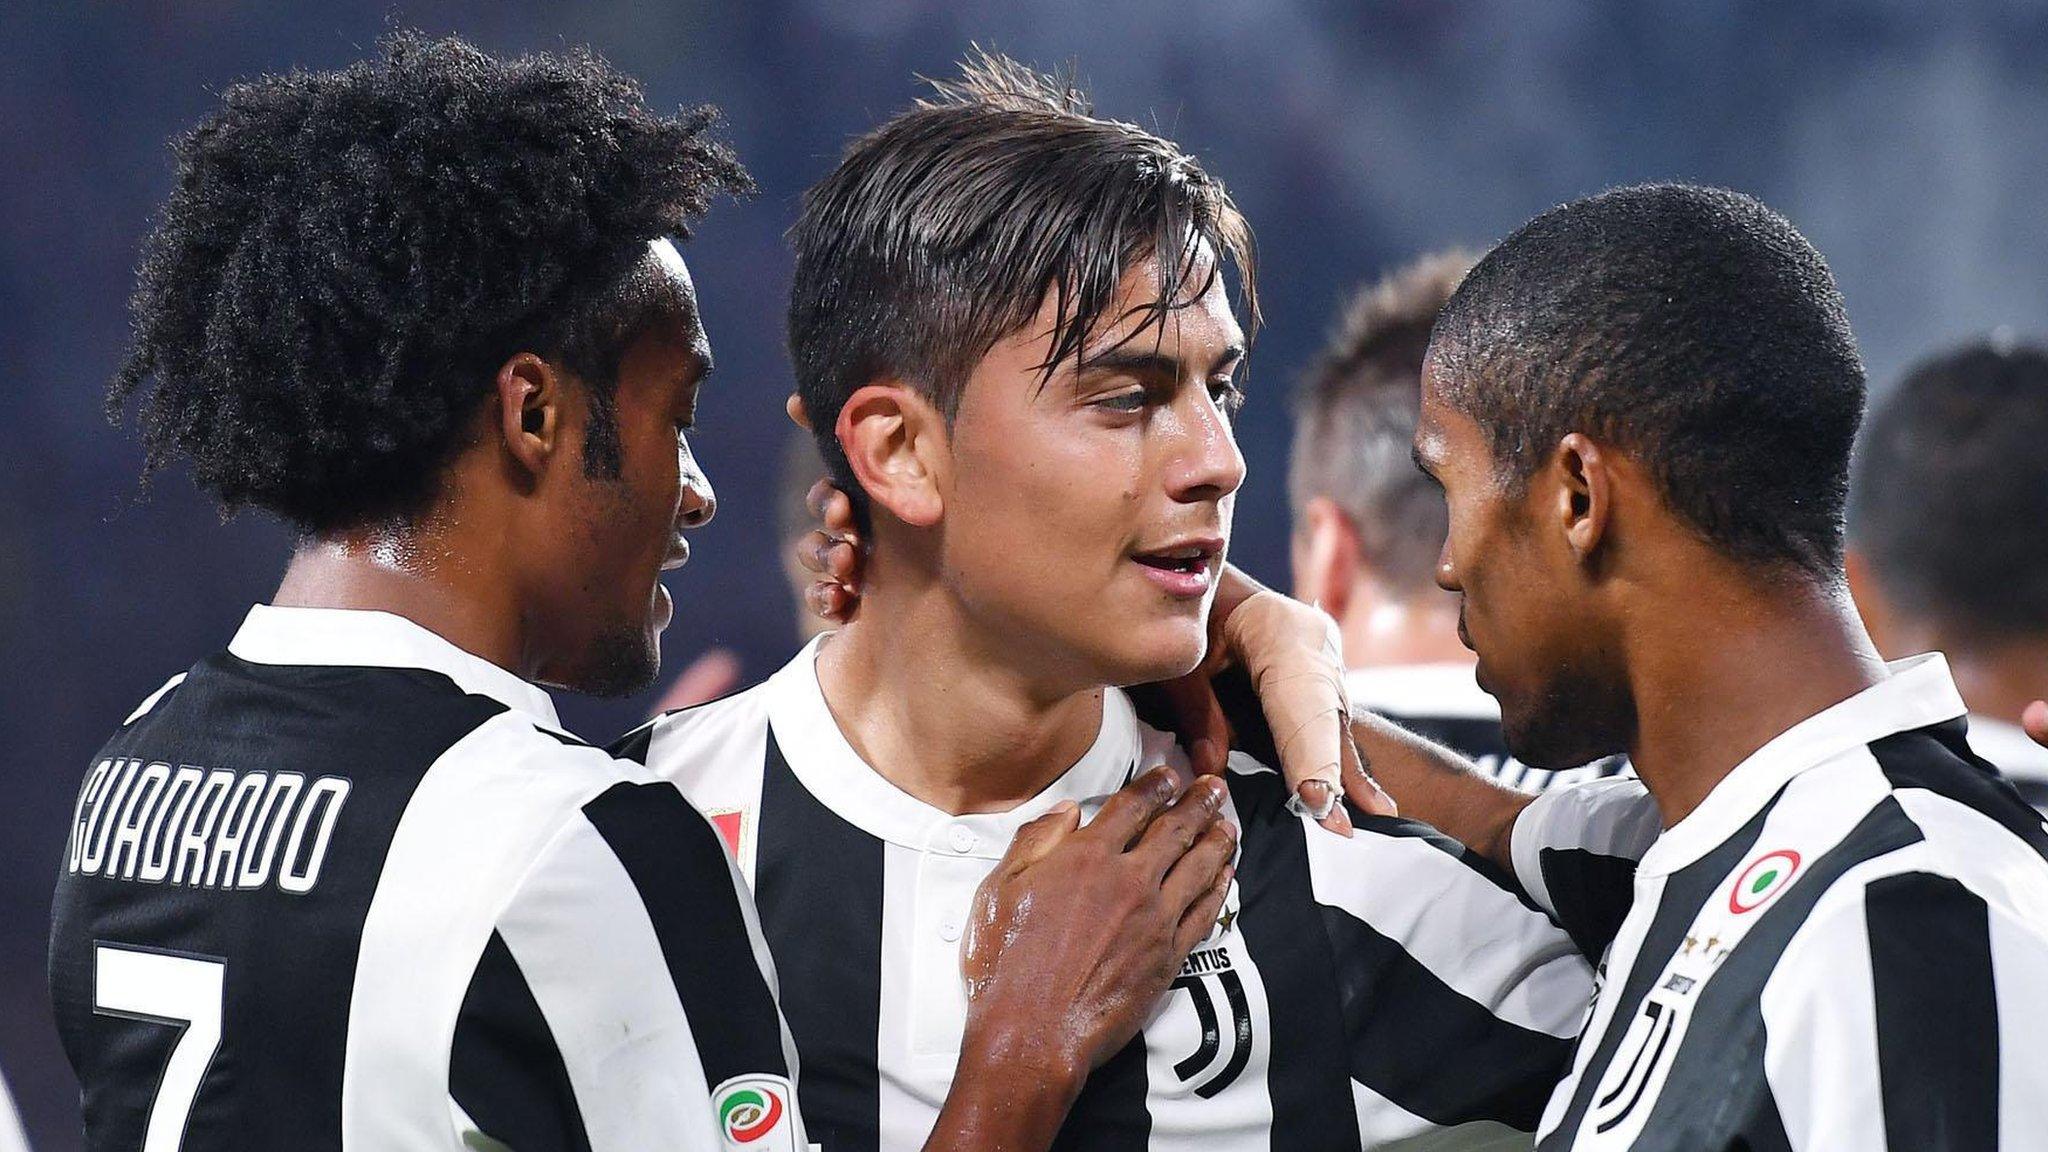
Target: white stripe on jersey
(1477, 938)
(475, 824)
(582, 951)
(1783, 976)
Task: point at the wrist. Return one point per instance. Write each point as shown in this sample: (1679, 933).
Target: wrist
(1023, 1057)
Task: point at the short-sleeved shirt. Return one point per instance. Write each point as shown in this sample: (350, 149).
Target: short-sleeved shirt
(1355, 993)
(346, 886)
(1845, 945)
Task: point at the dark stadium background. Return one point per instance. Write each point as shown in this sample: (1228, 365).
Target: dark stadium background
(1909, 140)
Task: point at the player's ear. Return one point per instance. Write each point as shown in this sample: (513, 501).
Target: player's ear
(528, 406)
(1583, 501)
(896, 442)
(1326, 557)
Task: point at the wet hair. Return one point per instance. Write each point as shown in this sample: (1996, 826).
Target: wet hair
(1354, 420)
(1692, 328)
(946, 228)
(1948, 499)
(348, 257)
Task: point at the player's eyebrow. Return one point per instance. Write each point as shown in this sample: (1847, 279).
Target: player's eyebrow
(1140, 362)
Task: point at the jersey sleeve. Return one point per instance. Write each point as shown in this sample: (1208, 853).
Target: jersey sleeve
(1575, 851)
(1908, 1015)
(625, 999)
(1442, 964)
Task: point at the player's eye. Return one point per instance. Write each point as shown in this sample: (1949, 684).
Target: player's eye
(1128, 401)
(1227, 395)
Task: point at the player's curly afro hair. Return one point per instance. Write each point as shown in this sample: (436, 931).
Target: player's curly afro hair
(348, 257)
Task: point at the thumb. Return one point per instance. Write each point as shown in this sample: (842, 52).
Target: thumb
(2035, 721)
(1035, 840)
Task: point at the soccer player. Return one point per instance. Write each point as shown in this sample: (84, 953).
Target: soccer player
(1947, 502)
(349, 884)
(1009, 319)
(1367, 526)
(1641, 407)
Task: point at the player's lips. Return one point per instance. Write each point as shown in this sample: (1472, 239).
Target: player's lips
(1184, 568)
(678, 554)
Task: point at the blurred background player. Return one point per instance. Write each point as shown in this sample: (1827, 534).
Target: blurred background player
(1369, 525)
(1948, 535)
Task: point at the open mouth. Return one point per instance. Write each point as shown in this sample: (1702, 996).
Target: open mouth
(1190, 559)
(1184, 570)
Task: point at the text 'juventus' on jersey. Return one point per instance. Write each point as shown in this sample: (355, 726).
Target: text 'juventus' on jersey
(1355, 992)
(347, 887)
(1844, 946)
(1444, 703)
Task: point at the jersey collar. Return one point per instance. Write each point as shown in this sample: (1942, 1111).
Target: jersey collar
(359, 638)
(820, 756)
(1917, 692)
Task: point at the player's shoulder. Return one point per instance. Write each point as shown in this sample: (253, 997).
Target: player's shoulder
(685, 733)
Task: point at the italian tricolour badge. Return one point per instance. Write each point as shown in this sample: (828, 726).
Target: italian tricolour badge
(755, 1113)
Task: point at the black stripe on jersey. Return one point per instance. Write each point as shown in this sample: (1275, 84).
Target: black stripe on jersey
(1937, 1011)
(1110, 1113)
(819, 890)
(1306, 1069)
(633, 745)
(1915, 760)
(1717, 1076)
(2034, 792)
(504, 1068)
(658, 838)
(1684, 893)
(1408, 1030)
(275, 1081)
(1415, 829)
(1593, 893)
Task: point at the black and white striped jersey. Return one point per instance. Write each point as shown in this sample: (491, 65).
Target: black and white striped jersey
(1444, 703)
(1844, 946)
(347, 887)
(1356, 993)
(2018, 758)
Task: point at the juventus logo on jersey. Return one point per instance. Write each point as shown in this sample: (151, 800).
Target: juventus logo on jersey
(1648, 1046)
(1202, 971)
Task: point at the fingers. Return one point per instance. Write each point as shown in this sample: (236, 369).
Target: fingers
(1360, 787)
(1127, 813)
(1195, 872)
(2035, 720)
(831, 601)
(1200, 918)
(832, 508)
(1178, 830)
(1039, 837)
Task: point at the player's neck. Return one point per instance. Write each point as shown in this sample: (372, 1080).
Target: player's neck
(946, 714)
(1381, 630)
(1733, 670)
(405, 574)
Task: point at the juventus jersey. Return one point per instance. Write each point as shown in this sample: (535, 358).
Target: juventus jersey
(347, 887)
(1355, 993)
(1444, 703)
(2022, 761)
(1844, 946)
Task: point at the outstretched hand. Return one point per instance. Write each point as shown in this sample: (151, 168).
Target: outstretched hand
(1288, 648)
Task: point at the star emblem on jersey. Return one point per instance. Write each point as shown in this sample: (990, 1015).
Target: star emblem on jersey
(1762, 879)
(753, 1113)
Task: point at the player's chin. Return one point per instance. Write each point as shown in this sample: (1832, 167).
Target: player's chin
(1159, 649)
(621, 661)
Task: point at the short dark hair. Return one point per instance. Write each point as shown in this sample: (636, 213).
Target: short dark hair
(1692, 327)
(1354, 419)
(1948, 499)
(347, 257)
(943, 230)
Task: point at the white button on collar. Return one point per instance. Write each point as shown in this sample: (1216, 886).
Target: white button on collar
(962, 838)
(949, 931)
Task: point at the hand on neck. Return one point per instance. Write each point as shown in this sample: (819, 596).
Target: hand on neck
(954, 717)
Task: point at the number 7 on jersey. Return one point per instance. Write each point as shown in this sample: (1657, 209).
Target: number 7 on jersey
(182, 992)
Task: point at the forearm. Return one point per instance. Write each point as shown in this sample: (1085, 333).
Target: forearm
(1437, 786)
(1008, 1095)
